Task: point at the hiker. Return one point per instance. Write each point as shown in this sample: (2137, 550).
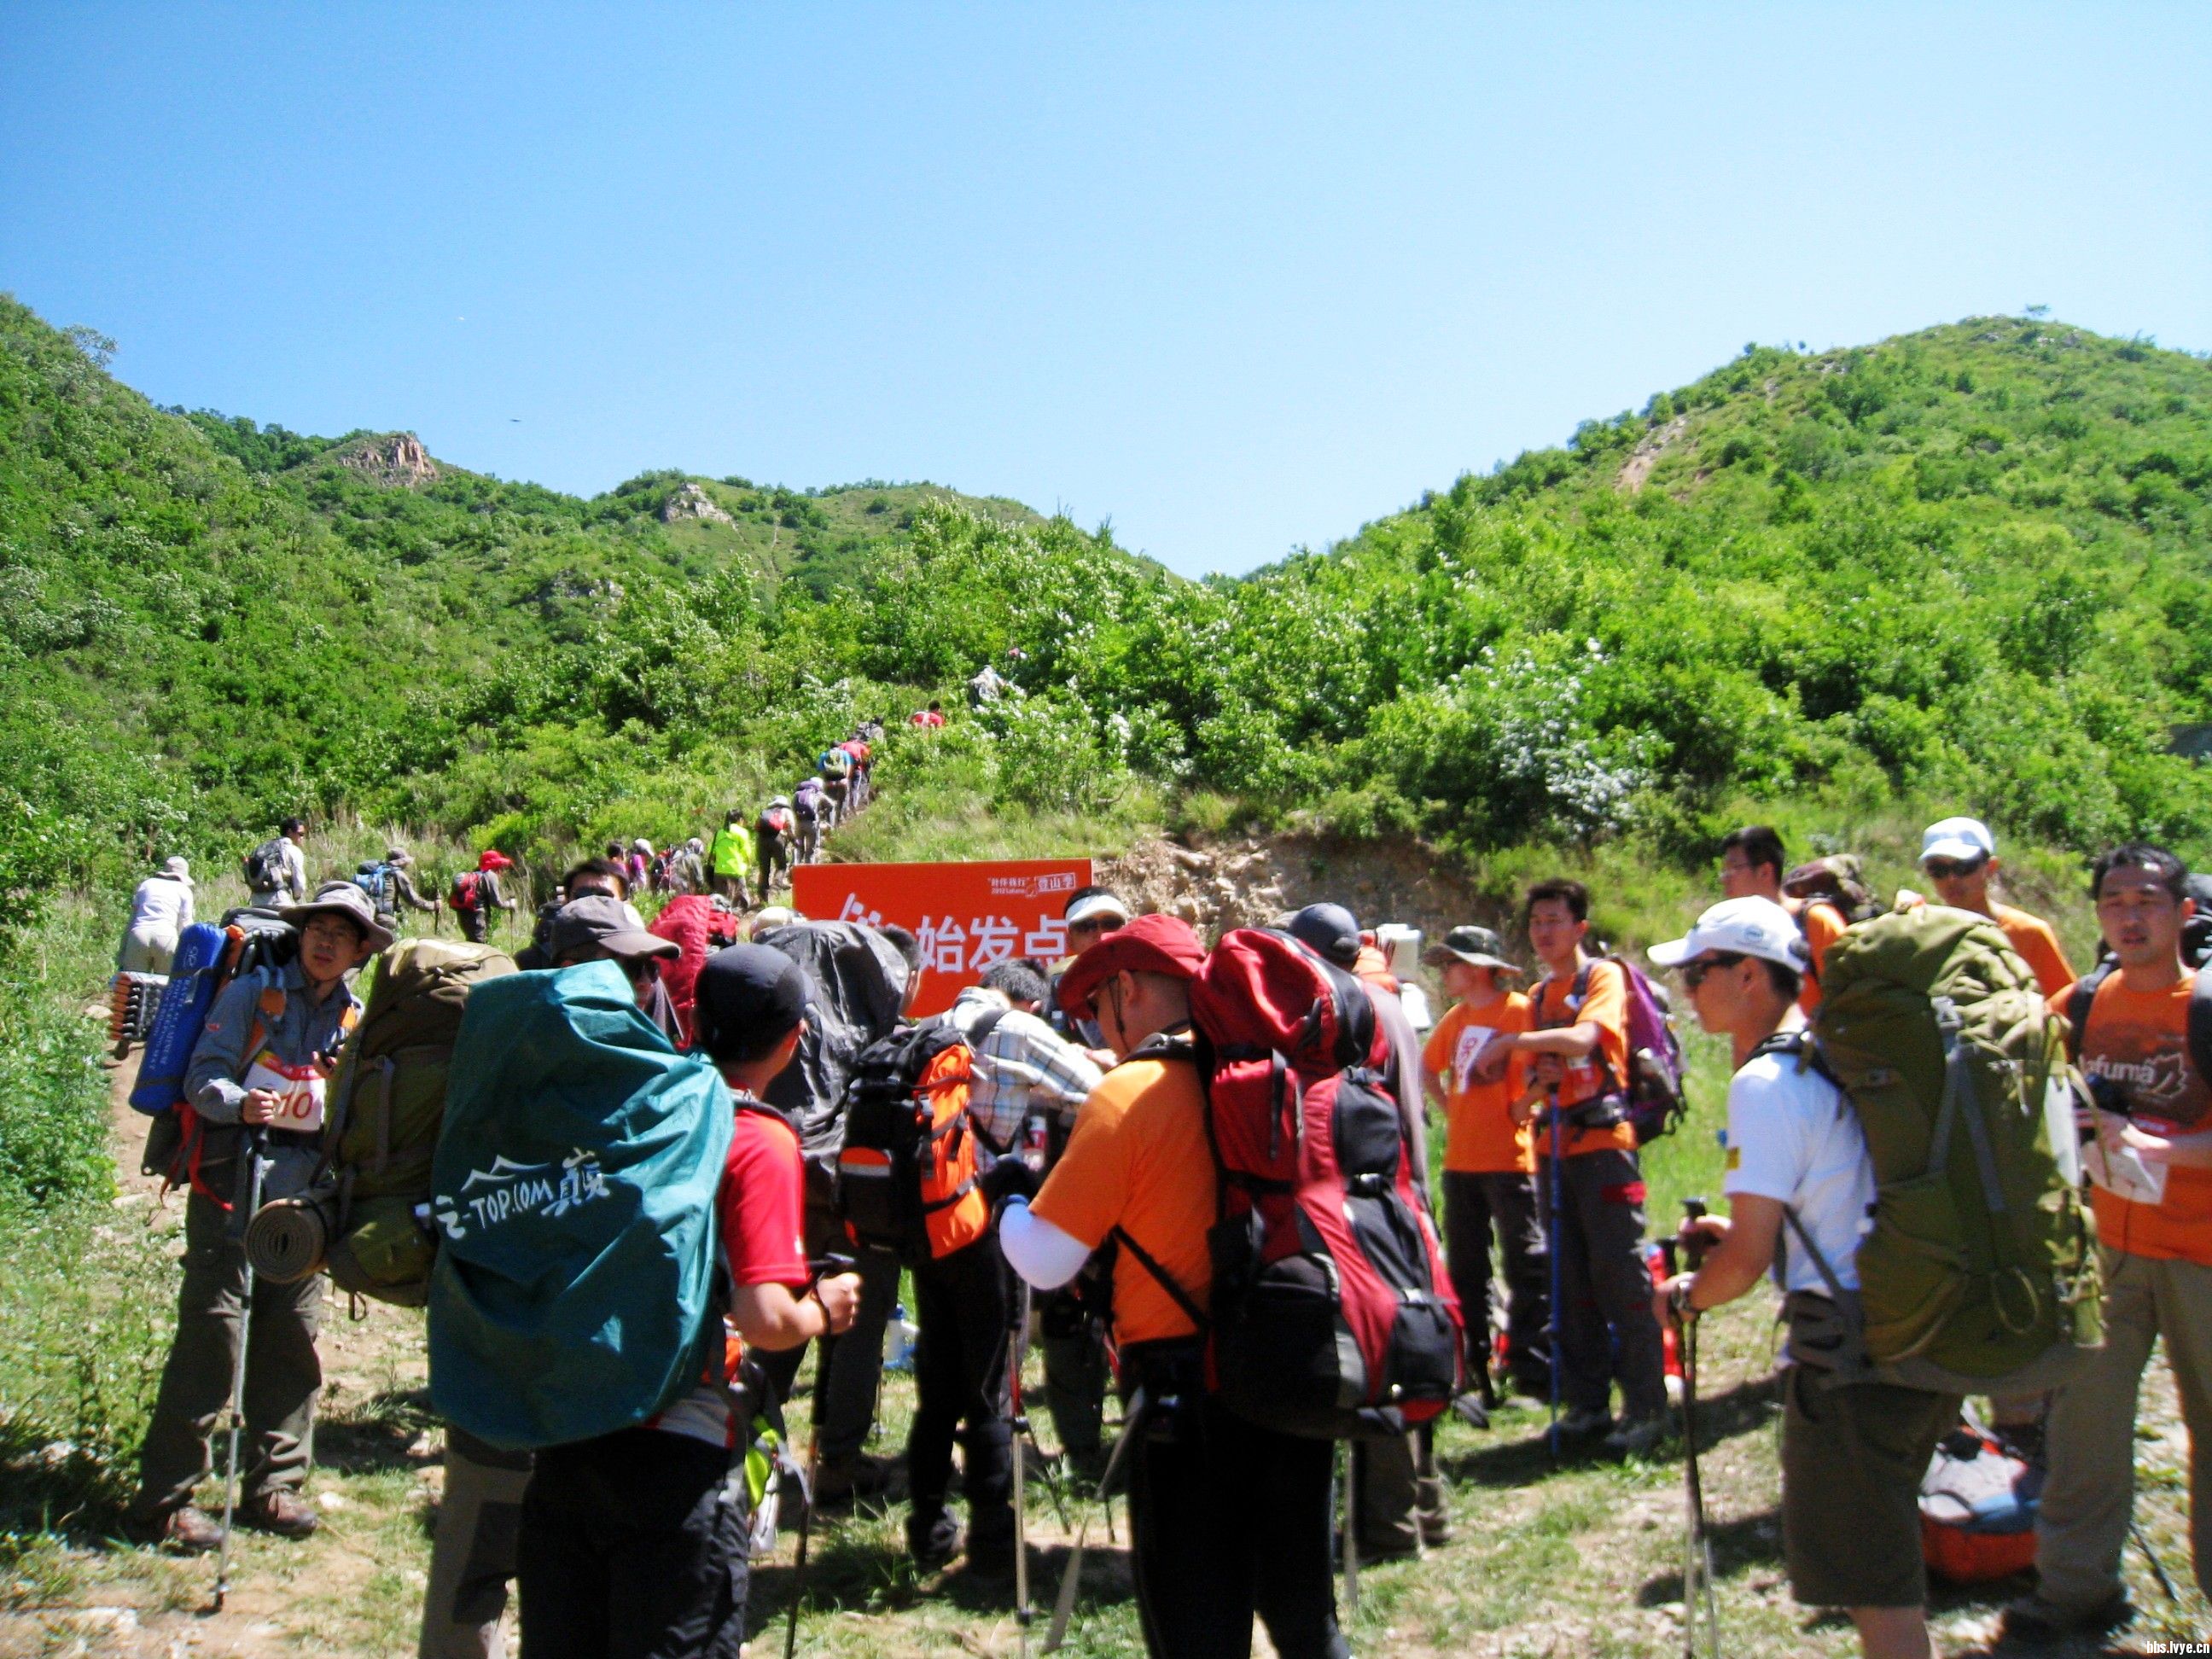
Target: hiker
(395, 887)
(601, 876)
(987, 686)
(862, 777)
(1088, 916)
(730, 859)
(1826, 896)
(1225, 1518)
(686, 871)
(161, 910)
(276, 870)
(929, 719)
(1577, 1048)
(1959, 856)
(2151, 1162)
(596, 929)
(268, 1049)
(774, 834)
(474, 894)
(1751, 863)
(637, 866)
(1029, 1083)
(836, 769)
(1490, 1162)
(808, 807)
(634, 1542)
(1399, 1502)
(1853, 1452)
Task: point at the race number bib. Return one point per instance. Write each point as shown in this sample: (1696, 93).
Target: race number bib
(299, 1089)
(1472, 1040)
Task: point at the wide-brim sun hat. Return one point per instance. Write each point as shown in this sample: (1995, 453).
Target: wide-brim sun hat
(178, 870)
(1478, 947)
(340, 898)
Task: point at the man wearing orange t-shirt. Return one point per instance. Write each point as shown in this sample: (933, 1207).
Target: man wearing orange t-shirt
(1489, 1163)
(1578, 1044)
(1961, 855)
(1225, 1518)
(2152, 1164)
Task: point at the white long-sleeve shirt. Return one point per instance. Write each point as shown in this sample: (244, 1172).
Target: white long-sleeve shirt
(162, 905)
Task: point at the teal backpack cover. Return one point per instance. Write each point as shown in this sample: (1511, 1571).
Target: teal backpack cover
(576, 1181)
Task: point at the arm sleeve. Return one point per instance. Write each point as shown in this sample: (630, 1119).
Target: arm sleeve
(218, 1058)
(1040, 1252)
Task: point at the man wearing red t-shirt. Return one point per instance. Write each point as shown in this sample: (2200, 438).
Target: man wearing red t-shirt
(631, 1543)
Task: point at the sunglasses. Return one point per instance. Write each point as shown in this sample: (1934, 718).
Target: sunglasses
(1095, 925)
(1946, 869)
(1693, 973)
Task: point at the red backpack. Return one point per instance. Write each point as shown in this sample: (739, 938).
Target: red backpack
(1333, 1317)
(699, 925)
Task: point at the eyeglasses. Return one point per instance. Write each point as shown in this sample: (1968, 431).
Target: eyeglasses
(1693, 973)
(1949, 869)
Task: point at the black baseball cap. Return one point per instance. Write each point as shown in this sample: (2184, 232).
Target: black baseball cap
(749, 997)
(1329, 929)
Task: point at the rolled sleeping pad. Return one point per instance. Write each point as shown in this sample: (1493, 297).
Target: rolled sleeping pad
(288, 1239)
(177, 1027)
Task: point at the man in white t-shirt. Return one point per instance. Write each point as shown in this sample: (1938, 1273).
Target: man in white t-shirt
(1801, 1189)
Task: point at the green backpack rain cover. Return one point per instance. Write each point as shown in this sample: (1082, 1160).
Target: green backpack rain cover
(1980, 1265)
(575, 1182)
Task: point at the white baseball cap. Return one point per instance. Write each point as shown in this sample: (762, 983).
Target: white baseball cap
(1963, 839)
(1742, 928)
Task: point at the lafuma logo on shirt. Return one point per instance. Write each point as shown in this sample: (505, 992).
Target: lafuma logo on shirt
(491, 1196)
(2155, 1081)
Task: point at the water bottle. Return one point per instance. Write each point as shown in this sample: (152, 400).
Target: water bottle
(1034, 1142)
(899, 1333)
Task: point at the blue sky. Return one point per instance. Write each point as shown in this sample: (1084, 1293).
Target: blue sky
(1239, 278)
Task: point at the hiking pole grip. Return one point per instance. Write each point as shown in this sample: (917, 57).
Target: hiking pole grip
(1695, 1240)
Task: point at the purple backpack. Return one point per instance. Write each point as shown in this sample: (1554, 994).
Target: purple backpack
(1651, 1093)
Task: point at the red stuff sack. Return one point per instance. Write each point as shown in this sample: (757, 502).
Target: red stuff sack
(699, 925)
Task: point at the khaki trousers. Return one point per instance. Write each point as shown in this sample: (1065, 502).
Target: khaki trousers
(472, 1554)
(2090, 1494)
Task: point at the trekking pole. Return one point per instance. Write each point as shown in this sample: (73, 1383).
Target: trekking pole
(1555, 1186)
(798, 1559)
(1063, 1609)
(1351, 1462)
(1698, 1595)
(1024, 1614)
(2157, 1567)
(257, 1167)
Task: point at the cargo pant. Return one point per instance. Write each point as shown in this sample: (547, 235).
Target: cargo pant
(472, 1558)
(2089, 1493)
(282, 1373)
(1075, 1378)
(1399, 1501)
(1475, 1203)
(1607, 1327)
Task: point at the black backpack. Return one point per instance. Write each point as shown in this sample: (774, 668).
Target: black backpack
(263, 866)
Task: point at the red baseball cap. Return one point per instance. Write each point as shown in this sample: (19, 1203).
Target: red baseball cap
(493, 859)
(1151, 943)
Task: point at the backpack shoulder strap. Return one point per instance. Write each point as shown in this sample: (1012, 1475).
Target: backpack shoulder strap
(1166, 1280)
(2200, 1024)
(2082, 995)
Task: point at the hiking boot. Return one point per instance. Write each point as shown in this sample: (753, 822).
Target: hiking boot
(1637, 1435)
(841, 1479)
(188, 1529)
(991, 1557)
(1585, 1419)
(2035, 1623)
(1473, 1409)
(280, 1510)
(933, 1546)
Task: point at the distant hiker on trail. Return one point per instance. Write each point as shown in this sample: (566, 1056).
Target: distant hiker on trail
(1959, 857)
(730, 859)
(929, 719)
(474, 894)
(598, 928)
(1853, 1453)
(862, 778)
(635, 1542)
(2134, 1033)
(836, 769)
(809, 806)
(988, 685)
(637, 866)
(275, 871)
(1578, 1050)
(1751, 863)
(1490, 1162)
(1225, 1518)
(687, 868)
(775, 832)
(161, 909)
(601, 876)
(389, 886)
(268, 1049)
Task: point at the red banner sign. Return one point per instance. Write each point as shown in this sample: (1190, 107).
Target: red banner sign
(966, 915)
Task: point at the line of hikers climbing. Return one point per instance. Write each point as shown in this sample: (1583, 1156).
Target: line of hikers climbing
(1208, 1169)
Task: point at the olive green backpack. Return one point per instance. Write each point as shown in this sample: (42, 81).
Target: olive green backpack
(1980, 1270)
(366, 1216)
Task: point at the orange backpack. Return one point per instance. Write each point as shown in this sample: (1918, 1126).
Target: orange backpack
(906, 1177)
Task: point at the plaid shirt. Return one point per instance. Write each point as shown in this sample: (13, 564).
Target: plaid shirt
(1022, 1065)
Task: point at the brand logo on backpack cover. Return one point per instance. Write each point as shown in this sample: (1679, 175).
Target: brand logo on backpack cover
(491, 1196)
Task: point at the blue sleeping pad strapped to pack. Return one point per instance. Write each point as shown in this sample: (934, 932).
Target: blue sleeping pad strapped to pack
(182, 1012)
(576, 1179)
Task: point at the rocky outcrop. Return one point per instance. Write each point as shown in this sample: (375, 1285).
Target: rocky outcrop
(691, 500)
(396, 460)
